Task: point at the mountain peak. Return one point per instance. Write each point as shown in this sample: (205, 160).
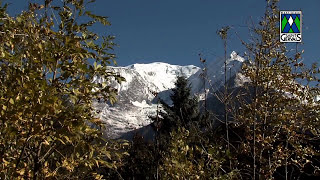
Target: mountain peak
(136, 99)
(235, 57)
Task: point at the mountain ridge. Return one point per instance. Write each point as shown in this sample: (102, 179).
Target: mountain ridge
(136, 99)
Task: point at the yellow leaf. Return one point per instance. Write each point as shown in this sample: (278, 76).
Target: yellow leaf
(97, 163)
(5, 162)
(11, 101)
(61, 141)
(21, 171)
(108, 154)
(46, 142)
(67, 138)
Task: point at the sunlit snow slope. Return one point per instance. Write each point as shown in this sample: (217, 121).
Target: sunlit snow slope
(136, 102)
(136, 99)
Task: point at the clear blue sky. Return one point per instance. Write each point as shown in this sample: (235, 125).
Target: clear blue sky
(176, 31)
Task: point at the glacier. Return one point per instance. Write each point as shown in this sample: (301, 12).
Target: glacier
(136, 96)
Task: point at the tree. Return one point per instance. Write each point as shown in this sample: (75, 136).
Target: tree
(184, 109)
(184, 148)
(223, 33)
(277, 113)
(46, 72)
(184, 112)
(141, 163)
(192, 155)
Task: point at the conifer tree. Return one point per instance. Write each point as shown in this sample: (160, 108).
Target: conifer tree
(184, 109)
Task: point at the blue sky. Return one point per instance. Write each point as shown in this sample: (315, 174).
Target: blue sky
(176, 31)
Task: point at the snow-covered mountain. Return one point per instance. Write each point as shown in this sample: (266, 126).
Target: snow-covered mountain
(136, 95)
(215, 73)
(136, 99)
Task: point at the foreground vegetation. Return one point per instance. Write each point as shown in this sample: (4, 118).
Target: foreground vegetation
(46, 92)
(267, 128)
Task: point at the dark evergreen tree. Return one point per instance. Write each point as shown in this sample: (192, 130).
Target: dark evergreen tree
(140, 164)
(183, 148)
(184, 110)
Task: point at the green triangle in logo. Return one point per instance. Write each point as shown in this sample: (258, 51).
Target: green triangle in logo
(284, 22)
(297, 22)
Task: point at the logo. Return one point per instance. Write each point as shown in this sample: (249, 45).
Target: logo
(290, 26)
